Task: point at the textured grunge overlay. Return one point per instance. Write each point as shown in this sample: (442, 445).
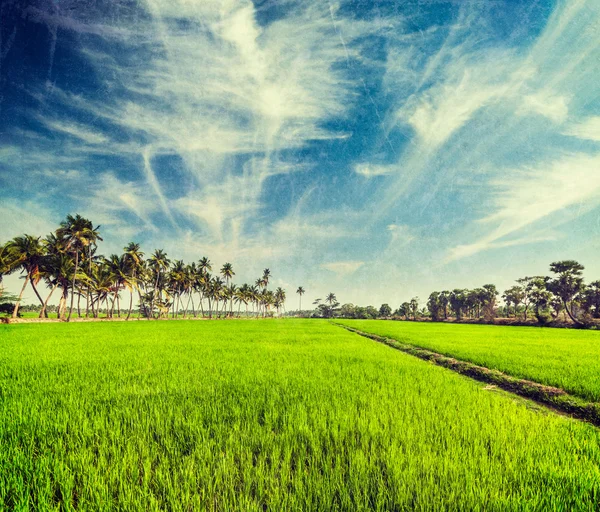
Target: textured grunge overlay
(381, 149)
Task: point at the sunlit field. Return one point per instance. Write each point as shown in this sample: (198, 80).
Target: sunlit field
(268, 415)
(565, 358)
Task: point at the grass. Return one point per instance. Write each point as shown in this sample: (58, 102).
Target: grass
(275, 415)
(565, 358)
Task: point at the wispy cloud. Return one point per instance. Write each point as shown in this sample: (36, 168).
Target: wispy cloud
(343, 268)
(589, 129)
(525, 196)
(370, 170)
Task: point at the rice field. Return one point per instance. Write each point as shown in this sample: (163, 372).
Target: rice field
(268, 415)
(565, 358)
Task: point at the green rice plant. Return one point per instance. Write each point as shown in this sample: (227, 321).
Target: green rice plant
(565, 358)
(268, 415)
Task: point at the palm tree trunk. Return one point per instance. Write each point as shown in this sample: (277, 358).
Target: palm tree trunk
(112, 304)
(89, 286)
(193, 307)
(577, 322)
(118, 305)
(130, 303)
(187, 305)
(202, 305)
(154, 295)
(62, 305)
(43, 313)
(79, 304)
(73, 285)
(36, 292)
(18, 303)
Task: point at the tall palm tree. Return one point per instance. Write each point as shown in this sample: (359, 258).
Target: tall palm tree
(78, 233)
(205, 265)
(266, 276)
(159, 263)
(228, 273)
(191, 271)
(134, 259)
(201, 285)
(279, 299)
(119, 271)
(29, 254)
(7, 260)
(300, 291)
(64, 272)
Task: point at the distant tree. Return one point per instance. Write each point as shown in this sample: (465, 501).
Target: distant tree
(300, 291)
(404, 310)
(348, 311)
(513, 296)
(539, 296)
(371, 312)
(328, 309)
(458, 302)
(567, 284)
(488, 300)
(435, 306)
(414, 307)
(591, 299)
(385, 310)
(444, 301)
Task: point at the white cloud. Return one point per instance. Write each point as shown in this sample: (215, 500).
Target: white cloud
(589, 129)
(78, 131)
(445, 110)
(369, 170)
(546, 104)
(343, 268)
(525, 196)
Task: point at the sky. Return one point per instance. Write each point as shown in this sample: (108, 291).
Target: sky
(376, 149)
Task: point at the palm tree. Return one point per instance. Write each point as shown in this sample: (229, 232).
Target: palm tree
(205, 265)
(119, 271)
(266, 276)
(189, 286)
(215, 293)
(300, 291)
(134, 259)
(177, 279)
(228, 273)
(201, 285)
(279, 298)
(158, 264)
(78, 234)
(7, 260)
(29, 254)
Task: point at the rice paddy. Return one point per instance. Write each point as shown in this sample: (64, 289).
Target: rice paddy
(565, 358)
(268, 415)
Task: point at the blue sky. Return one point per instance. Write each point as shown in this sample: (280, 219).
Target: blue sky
(376, 149)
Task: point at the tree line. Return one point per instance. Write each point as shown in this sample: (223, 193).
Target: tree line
(544, 298)
(67, 262)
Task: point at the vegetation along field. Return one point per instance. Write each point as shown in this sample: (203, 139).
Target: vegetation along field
(272, 414)
(565, 358)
